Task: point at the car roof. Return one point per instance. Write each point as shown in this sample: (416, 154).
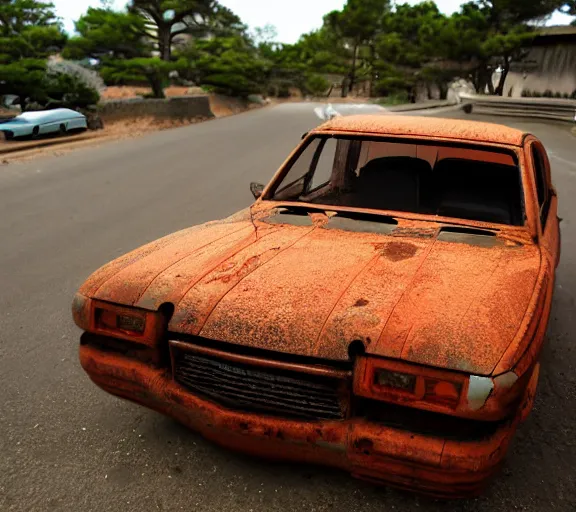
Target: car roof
(48, 115)
(432, 127)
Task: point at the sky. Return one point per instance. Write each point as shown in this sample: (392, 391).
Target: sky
(291, 18)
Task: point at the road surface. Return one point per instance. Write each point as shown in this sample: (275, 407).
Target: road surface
(67, 446)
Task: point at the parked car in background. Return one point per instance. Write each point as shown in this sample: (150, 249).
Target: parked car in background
(380, 308)
(44, 122)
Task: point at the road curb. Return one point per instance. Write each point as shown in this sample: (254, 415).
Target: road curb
(408, 107)
(21, 147)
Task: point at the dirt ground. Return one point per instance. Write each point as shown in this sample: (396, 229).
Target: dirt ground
(124, 91)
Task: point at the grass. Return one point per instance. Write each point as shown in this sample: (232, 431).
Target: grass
(394, 99)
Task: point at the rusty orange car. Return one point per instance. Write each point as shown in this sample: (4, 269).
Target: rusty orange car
(380, 308)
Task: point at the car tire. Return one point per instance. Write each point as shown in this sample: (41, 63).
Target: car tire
(8, 135)
(63, 130)
(35, 131)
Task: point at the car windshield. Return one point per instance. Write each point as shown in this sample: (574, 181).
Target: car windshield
(456, 181)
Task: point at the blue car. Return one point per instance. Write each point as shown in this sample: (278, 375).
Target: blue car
(34, 124)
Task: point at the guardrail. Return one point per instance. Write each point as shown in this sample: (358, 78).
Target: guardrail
(538, 108)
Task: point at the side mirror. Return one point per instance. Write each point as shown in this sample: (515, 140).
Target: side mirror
(257, 189)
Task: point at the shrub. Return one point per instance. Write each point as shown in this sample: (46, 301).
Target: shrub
(536, 94)
(548, 93)
(573, 95)
(557, 94)
(526, 93)
(89, 77)
(393, 85)
(64, 90)
(316, 85)
(566, 96)
(396, 98)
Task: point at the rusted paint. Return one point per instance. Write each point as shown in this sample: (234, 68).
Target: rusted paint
(363, 448)
(413, 126)
(463, 316)
(398, 251)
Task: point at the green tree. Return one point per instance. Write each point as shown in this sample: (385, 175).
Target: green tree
(23, 78)
(151, 69)
(117, 41)
(316, 84)
(228, 65)
(28, 30)
(105, 33)
(357, 26)
(408, 49)
(168, 19)
(29, 33)
(503, 33)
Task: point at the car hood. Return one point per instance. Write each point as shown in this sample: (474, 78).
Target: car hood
(311, 291)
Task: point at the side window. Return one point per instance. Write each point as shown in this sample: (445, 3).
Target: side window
(325, 166)
(542, 186)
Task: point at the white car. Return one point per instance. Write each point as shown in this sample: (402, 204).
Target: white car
(34, 124)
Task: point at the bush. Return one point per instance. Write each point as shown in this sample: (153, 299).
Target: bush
(82, 74)
(548, 93)
(566, 96)
(63, 90)
(573, 95)
(140, 70)
(393, 85)
(396, 98)
(557, 94)
(283, 91)
(316, 85)
(536, 94)
(526, 93)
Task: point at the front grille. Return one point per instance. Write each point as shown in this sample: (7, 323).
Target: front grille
(250, 388)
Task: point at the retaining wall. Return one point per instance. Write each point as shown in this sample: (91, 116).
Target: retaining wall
(178, 107)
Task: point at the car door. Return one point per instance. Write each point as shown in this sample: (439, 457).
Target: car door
(549, 229)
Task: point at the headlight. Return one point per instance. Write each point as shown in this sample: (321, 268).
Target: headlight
(132, 324)
(395, 380)
(399, 382)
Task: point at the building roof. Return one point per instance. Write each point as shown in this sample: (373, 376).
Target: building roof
(557, 30)
(433, 127)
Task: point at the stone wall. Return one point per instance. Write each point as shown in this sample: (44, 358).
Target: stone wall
(175, 108)
(549, 66)
(555, 71)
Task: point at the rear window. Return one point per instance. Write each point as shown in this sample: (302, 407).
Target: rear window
(449, 181)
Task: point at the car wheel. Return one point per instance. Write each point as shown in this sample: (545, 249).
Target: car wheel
(35, 131)
(8, 135)
(63, 129)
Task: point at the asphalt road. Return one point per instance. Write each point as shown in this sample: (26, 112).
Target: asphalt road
(65, 445)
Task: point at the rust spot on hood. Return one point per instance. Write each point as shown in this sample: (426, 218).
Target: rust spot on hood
(398, 251)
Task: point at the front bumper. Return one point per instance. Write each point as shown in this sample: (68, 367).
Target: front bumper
(368, 450)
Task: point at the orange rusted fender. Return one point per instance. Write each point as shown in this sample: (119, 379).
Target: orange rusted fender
(400, 345)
